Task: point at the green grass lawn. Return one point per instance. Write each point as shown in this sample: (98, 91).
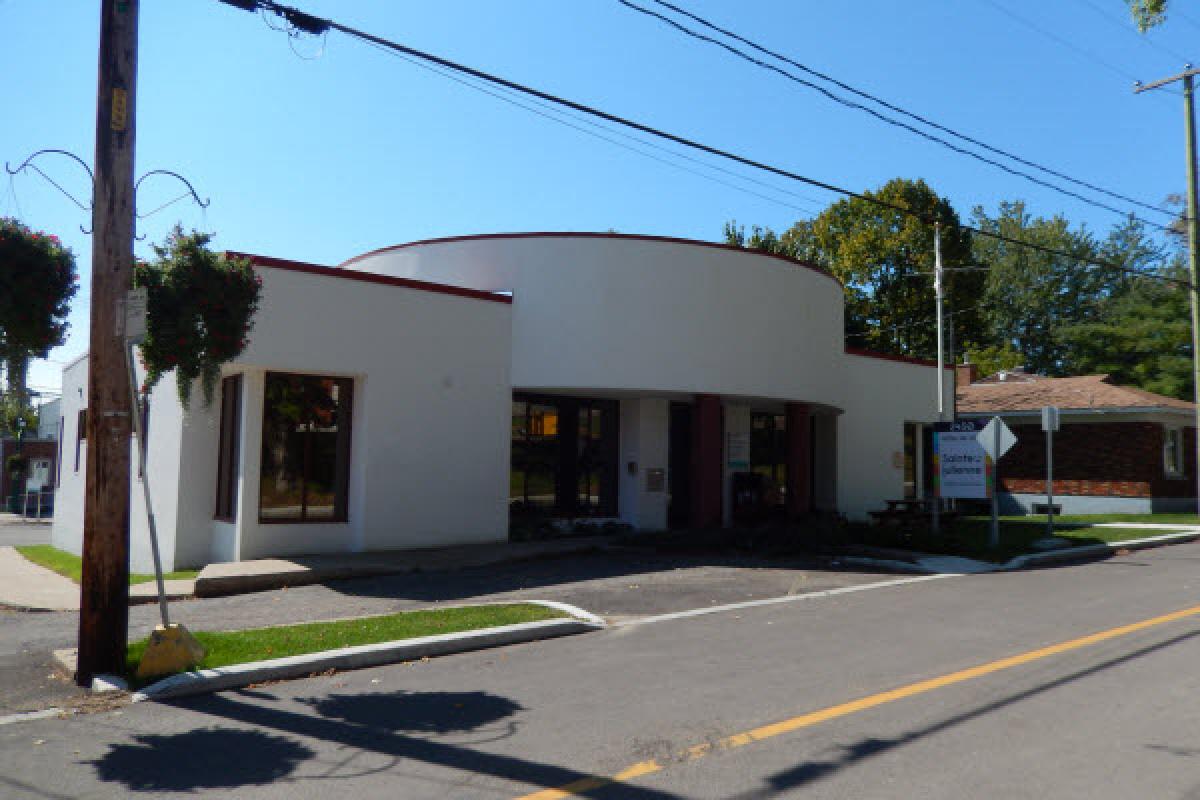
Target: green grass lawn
(968, 536)
(71, 566)
(259, 644)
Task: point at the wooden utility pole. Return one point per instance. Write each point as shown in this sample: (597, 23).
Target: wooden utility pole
(1193, 232)
(104, 596)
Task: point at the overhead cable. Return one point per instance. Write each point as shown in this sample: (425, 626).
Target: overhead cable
(892, 107)
(285, 11)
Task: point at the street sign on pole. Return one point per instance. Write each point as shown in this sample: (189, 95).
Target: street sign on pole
(996, 440)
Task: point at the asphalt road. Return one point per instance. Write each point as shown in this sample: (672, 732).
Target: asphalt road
(15, 531)
(753, 703)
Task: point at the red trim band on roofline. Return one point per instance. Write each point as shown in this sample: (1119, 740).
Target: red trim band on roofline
(369, 277)
(592, 235)
(921, 362)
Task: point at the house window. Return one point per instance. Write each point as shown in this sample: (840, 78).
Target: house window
(229, 448)
(305, 448)
(80, 433)
(1173, 452)
(564, 456)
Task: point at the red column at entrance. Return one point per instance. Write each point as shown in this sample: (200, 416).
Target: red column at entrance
(707, 455)
(799, 459)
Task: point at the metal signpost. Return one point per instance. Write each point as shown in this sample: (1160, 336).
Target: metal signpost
(134, 321)
(996, 440)
(1049, 425)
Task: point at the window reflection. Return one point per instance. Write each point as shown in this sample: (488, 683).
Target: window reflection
(306, 448)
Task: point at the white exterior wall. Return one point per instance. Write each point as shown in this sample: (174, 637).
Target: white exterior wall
(48, 416)
(881, 395)
(644, 427)
(162, 467)
(429, 449)
(627, 314)
(67, 530)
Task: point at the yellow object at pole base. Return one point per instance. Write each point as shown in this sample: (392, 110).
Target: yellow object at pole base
(170, 649)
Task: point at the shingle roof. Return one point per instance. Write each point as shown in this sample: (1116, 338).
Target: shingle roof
(1030, 392)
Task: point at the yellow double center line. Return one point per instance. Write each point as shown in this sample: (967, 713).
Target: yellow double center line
(584, 785)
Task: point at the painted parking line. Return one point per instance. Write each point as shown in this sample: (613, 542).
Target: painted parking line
(790, 598)
(579, 787)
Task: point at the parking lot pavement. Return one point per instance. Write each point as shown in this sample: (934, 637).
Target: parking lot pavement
(619, 585)
(15, 530)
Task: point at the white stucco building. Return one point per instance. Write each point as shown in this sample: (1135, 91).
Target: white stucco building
(425, 394)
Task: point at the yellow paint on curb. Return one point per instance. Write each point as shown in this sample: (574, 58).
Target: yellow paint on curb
(579, 787)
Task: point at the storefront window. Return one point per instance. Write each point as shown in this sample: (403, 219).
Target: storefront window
(534, 455)
(768, 455)
(306, 448)
(555, 472)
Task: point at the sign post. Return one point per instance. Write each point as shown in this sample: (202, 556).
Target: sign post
(996, 440)
(1049, 425)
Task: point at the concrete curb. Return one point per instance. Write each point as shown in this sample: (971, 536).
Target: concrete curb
(1108, 548)
(922, 566)
(370, 655)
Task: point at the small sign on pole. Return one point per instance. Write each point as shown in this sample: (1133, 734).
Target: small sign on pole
(996, 440)
(135, 316)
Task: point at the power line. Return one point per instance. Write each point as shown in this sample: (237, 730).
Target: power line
(1125, 26)
(1060, 40)
(556, 115)
(318, 25)
(889, 120)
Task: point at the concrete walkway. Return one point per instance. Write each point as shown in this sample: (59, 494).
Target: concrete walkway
(29, 587)
(25, 585)
(239, 577)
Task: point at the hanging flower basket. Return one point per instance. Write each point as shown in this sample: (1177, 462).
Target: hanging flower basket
(200, 309)
(37, 282)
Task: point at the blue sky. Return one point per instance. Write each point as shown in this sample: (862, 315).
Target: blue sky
(319, 159)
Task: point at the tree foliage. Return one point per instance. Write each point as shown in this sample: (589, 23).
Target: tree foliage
(1148, 13)
(885, 260)
(37, 282)
(200, 309)
(1053, 314)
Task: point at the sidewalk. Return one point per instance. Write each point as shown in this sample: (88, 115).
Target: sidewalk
(239, 577)
(29, 587)
(25, 585)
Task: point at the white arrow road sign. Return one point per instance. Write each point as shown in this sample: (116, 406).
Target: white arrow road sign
(996, 439)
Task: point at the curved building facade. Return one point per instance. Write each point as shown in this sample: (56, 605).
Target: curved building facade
(481, 382)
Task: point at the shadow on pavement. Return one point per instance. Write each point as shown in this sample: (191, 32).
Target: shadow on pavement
(212, 758)
(383, 723)
(424, 712)
(853, 754)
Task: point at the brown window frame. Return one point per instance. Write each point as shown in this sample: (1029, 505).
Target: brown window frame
(81, 422)
(345, 423)
(62, 424)
(229, 447)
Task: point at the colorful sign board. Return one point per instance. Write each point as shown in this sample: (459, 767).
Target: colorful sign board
(961, 468)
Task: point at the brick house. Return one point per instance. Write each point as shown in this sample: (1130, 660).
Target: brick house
(1119, 449)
